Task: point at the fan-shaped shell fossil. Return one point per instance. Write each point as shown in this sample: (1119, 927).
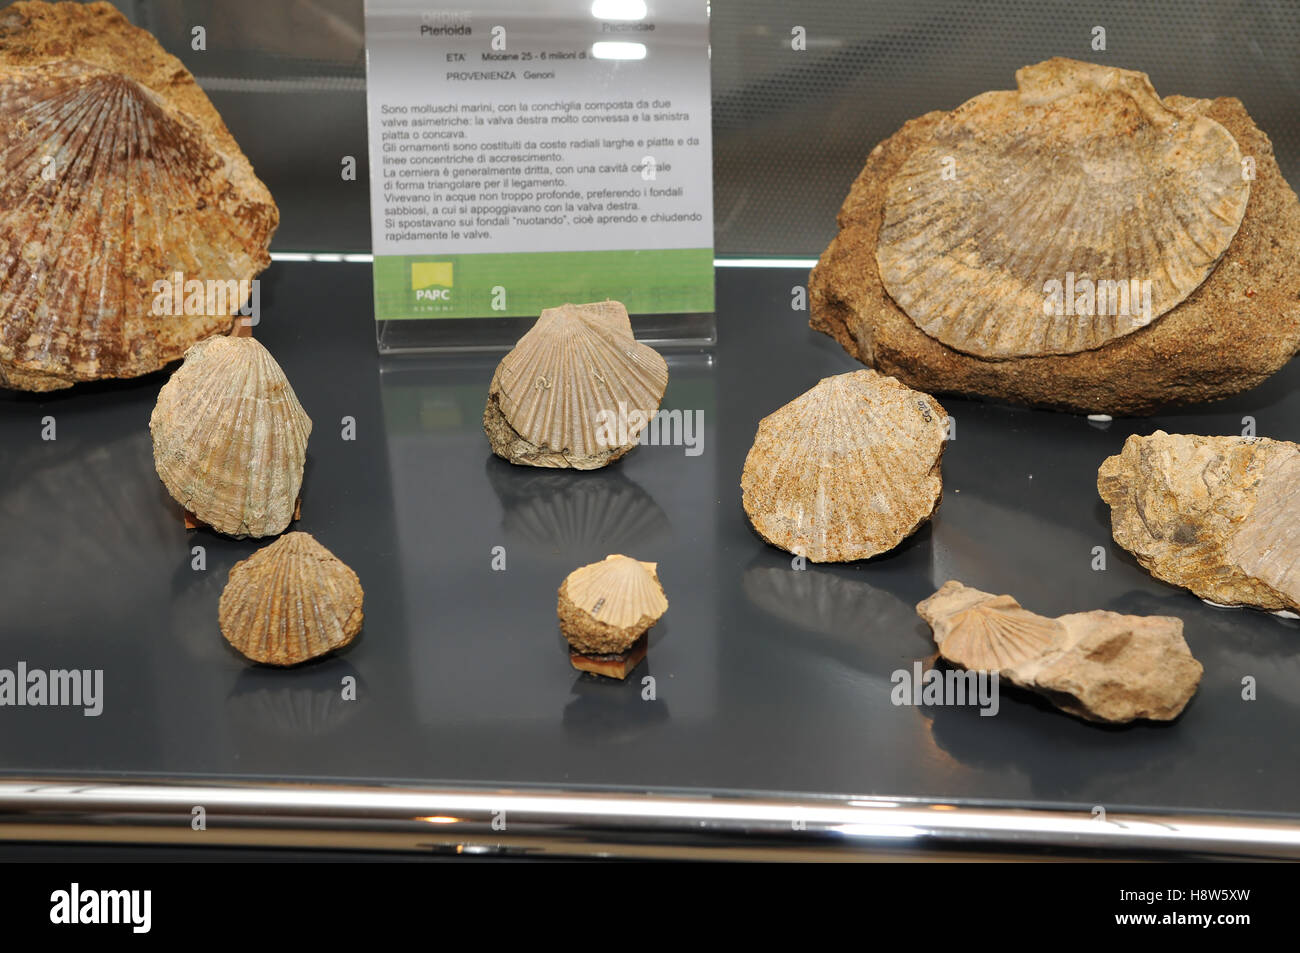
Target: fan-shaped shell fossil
(606, 606)
(230, 438)
(983, 632)
(290, 601)
(996, 229)
(846, 471)
(120, 180)
(576, 391)
(1267, 543)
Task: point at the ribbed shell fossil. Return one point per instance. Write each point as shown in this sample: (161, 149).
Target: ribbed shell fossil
(846, 471)
(117, 174)
(986, 633)
(290, 601)
(1081, 173)
(576, 391)
(606, 606)
(1217, 515)
(230, 438)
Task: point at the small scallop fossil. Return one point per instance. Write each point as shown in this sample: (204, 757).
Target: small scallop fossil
(847, 470)
(1081, 174)
(230, 438)
(606, 608)
(118, 174)
(291, 601)
(576, 391)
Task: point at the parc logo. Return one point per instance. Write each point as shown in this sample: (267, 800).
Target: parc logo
(432, 281)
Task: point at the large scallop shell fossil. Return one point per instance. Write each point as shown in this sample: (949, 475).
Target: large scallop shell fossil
(1060, 216)
(290, 601)
(606, 606)
(230, 438)
(120, 181)
(847, 470)
(577, 390)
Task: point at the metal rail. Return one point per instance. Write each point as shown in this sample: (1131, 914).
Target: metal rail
(558, 823)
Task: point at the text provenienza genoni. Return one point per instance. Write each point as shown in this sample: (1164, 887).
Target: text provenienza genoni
(54, 688)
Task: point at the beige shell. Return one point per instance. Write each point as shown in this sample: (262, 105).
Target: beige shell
(290, 601)
(846, 471)
(230, 438)
(606, 606)
(576, 391)
(117, 174)
(1266, 545)
(1082, 173)
(986, 633)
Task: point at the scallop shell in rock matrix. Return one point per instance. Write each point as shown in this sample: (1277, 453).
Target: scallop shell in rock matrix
(606, 606)
(118, 177)
(984, 632)
(230, 438)
(1216, 515)
(848, 470)
(1061, 216)
(576, 391)
(290, 601)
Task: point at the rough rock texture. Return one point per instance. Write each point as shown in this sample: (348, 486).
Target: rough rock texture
(606, 606)
(847, 470)
(1217, 515)
(576, 391)
(1231, 333)
(118, 172)
(291, 601)
(1099, 665)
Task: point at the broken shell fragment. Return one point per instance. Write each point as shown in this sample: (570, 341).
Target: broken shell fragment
(290, 601)
(230, 438)
(120, 180)
(576, 391)
(1217, 515)
(606, 608)
(1081, 178)
(847, 470)
(1100, 666)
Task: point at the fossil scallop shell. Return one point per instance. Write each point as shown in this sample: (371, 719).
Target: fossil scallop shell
(118, 175)
(290, 601)
(848, 470)
(230, 438)
(576, 391)
(1266, 545)
(986, 633)
(1082, 173)
(606, 606)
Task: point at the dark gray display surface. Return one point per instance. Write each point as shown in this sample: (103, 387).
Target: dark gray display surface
(767, 679)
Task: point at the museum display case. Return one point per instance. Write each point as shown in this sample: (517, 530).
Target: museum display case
(611, 574)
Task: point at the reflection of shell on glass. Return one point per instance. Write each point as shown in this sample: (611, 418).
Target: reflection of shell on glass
(847, 470)
(1083, 173)
(290, 601)
(576, 391)
(118, 174)
(230, 438)
(986, 633)
(606, 606)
